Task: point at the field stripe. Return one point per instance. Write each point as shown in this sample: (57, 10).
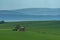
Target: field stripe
(36, 33)
(51, 35)
(5, 29)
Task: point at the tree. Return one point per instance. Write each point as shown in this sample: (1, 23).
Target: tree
(1, 22)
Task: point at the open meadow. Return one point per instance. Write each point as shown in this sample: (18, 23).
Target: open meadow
(35, 30)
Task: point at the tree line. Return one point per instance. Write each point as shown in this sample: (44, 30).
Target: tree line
(1, 22)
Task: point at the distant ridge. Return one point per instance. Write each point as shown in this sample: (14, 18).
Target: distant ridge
(33, 11)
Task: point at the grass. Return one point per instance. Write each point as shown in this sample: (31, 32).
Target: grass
(35, 30)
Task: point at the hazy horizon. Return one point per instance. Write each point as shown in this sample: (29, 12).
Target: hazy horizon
(14, 5)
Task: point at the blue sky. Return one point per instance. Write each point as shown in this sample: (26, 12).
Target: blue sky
(19, 4)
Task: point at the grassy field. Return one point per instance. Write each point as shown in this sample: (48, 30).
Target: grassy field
(35, 30)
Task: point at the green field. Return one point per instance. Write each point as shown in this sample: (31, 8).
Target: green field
(35, 30)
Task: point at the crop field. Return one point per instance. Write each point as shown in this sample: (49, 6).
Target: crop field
(35, 30)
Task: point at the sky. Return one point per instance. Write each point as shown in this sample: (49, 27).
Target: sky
(20, 4)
